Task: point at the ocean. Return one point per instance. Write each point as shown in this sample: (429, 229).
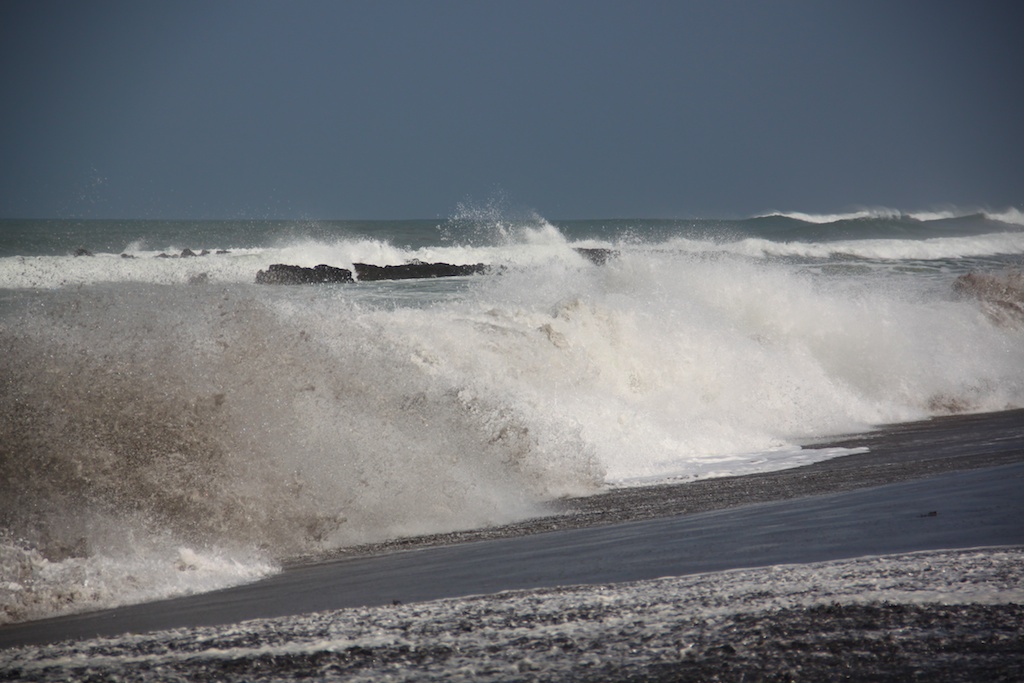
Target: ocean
(168, 426)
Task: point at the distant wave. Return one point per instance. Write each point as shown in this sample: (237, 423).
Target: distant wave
(928, 216)
(536, 250)
(833, 217)
(1011, 215)
(880, 249)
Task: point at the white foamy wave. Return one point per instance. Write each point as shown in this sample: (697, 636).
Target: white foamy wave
(341, 253)
(822, 218)
(236, 418)
(518, 245)
(1012, 215)
(925, 216)
(876, 249)
(33, 587)
(50, 272)
(733, 465)
(526, 245)
(696, 375)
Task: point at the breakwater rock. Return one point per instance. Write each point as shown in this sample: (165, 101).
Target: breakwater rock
(281, 274)
(185, 253)
(409, 271)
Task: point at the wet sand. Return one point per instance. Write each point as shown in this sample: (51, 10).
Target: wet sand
(947, 483)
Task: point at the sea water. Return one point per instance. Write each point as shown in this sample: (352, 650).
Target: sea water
(169, 426)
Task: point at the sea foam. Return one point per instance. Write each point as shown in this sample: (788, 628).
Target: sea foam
(257, 423)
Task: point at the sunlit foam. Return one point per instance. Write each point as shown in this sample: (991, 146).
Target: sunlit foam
(835, 217)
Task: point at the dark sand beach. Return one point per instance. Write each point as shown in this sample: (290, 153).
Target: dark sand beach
(928, 522)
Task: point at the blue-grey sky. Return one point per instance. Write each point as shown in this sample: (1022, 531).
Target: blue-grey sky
(403, 109)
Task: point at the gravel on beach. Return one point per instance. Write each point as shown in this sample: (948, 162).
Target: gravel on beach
(935, 616)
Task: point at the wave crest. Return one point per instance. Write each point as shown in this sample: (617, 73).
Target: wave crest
(249, 423)
(819, 219)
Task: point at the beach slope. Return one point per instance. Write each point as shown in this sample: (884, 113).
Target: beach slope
(879, 559)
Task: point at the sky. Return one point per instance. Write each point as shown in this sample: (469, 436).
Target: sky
(572, 109)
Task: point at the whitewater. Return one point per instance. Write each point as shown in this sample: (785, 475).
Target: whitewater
(168, 426)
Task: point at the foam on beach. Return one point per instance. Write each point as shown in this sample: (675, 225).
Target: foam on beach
(920, 613)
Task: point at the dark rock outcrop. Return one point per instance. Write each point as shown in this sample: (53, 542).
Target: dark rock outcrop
(281, 274)
(597, 256)
(82, 251)
(409, 271)
(188, 253)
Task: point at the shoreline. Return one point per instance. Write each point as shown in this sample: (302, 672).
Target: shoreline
(897, 453)
(863, 504)
(938, 616)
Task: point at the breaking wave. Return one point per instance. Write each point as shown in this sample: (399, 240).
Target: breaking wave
(195, 435)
